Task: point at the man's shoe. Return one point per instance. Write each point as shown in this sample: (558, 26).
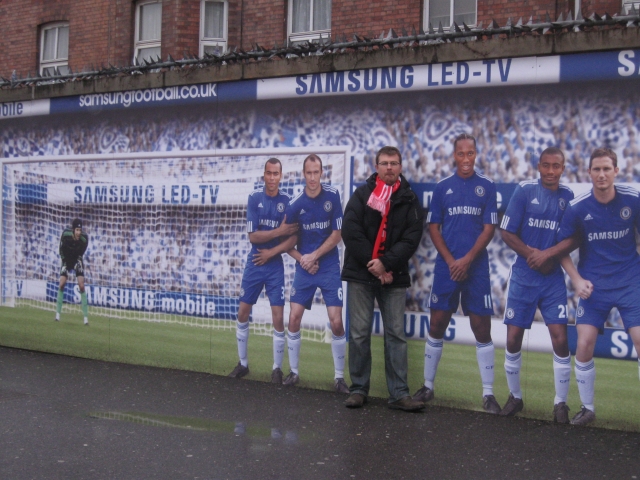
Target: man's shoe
(355, 400)
(276, 376)
(424, 394)
(291, 380)
(407, 404)
(561, 413)
(513, 406)
(86, 321)
(340, 385)
(239, 372)
(491, 405)
(583, 417)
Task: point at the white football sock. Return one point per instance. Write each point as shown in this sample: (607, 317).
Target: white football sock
(512, 366)
(293, 345)
(586, 379)
(486, 358)
(432, 354)
(561, 377)
(278, 348)
(338, 349)
(242, 336)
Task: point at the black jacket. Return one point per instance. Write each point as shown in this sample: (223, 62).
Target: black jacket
(360, 228)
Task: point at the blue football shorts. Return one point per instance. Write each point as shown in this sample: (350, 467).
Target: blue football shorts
(595, 310)
(327, 280)
(269, 276)
(475, 292)
(550, 298)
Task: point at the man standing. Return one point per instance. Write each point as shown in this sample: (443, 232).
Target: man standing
(462, 220)
(318, 211)
(530, 227)
(604, 221)
(383, 225)
(73, 244)
(270, 236)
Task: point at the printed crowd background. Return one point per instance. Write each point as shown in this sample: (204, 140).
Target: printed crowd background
(512, 129)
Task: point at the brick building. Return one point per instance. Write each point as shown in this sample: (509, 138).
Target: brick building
(50, 37)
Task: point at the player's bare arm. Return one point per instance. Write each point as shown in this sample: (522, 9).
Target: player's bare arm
(266, 254)
(516, 244)
(545, 260)
(439, 243)
(297, 256)
(308, 260)
(583, 287)
(284, 230)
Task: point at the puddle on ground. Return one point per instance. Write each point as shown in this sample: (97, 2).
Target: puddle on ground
(201, 424)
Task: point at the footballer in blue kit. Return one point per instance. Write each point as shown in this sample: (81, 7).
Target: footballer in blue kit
(462, 218)
(318, 212)
(604, 221)
(529, 226)
(270, 236)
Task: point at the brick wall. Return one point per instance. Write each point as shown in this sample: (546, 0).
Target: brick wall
(371, 17)
(101, 31)
(264, 22)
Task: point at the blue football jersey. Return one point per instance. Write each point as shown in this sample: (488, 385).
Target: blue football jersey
(463, 207)
(533, 214)
(265, 213)
(317, 218)
(607, 234)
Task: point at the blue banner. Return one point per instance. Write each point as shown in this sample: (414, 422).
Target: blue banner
(176, 303)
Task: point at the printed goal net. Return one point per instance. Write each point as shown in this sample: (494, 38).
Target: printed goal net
(167, 232)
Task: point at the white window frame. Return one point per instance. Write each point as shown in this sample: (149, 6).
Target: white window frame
(58, 61)
(212, 41)
(626, 4)
(425, 16)
(141, 44)
(305, 36)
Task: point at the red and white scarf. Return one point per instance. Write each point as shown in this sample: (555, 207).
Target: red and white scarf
(380, 200)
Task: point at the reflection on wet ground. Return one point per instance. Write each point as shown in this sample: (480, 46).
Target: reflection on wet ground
(255, 432)
(65, 417)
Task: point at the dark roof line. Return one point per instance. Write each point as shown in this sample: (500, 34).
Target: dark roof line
(457, 33)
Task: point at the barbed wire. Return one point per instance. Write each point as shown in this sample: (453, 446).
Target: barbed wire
(391, 39)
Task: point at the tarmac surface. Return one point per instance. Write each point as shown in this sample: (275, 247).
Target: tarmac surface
(72, 418)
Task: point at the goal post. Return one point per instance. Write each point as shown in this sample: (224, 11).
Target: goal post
(167, 231)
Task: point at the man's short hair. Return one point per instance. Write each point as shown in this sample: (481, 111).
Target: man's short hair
(552, 151)
(272, 161)
(464, 136)
(604, 152)
(314, 158)
(390, 151)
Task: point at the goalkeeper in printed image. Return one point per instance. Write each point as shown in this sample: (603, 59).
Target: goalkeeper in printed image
(73, 244)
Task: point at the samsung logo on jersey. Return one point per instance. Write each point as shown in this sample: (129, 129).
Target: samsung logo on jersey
(465, 211)
(548, 224)
(608, 235)
(269, 223)
(386, 78)
(314, 225)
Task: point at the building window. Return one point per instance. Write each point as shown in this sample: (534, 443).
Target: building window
(148, 31)
(446, 11)
(213, 26)
(627, 4)
(54, 49)
(308, 20)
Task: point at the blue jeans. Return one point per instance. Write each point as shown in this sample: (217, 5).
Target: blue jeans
(392, 305)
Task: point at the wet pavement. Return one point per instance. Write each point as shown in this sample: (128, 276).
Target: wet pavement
(65, 417)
